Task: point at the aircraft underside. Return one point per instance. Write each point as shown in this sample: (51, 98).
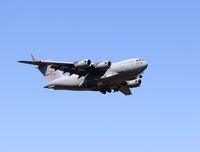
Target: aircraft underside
(87, 76)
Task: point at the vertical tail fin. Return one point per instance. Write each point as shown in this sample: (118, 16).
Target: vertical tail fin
(49, 73)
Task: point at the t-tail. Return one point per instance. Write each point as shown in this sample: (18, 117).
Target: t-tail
(49, 73)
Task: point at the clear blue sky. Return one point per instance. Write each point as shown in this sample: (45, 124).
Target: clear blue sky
(162, 115)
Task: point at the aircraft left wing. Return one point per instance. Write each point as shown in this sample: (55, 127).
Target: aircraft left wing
(80, 68)
(68, 64)
(71, 67)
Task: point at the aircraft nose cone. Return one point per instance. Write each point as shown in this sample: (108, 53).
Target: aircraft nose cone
(145, 64)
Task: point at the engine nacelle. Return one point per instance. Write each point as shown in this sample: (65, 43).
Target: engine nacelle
(103, 65)
(134, 83)
(82, 64)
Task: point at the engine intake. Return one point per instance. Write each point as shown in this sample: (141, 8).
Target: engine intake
(134, 83)
(82, 64)
(103, 65)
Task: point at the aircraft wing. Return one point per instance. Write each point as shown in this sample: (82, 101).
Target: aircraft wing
(63, 66)
(125, 90)
(80, 68)
(68, 64)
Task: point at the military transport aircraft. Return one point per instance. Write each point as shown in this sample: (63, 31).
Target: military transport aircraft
(87, 76)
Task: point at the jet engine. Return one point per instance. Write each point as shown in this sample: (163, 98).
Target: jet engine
(82, 64)
(134, 83)
(103, 65)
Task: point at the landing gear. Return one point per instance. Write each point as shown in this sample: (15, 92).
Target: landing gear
(109, 90)
(116, 90)
(103, 91)
(140, 76)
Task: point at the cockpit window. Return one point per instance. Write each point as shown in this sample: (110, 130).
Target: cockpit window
(137, 60)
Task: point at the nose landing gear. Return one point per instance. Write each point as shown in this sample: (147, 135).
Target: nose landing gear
(140, 76)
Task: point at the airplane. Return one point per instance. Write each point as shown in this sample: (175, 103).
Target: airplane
(87, 76)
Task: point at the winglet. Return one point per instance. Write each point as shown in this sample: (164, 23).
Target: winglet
(33, 62)
(33, 58)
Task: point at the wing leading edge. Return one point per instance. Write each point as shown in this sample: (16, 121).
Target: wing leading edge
(68, 64)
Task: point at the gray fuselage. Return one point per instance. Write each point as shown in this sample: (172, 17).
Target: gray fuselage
(118, 73)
